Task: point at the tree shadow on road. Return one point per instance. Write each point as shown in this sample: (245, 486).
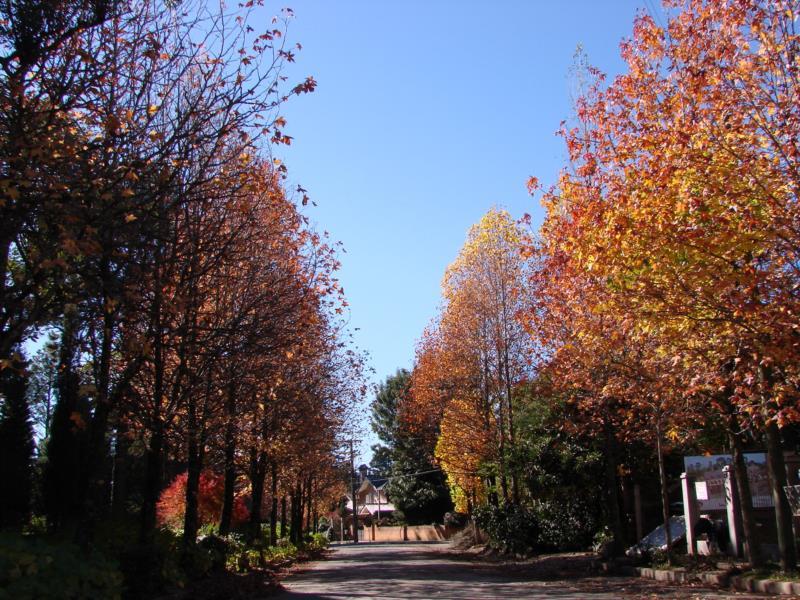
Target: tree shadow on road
(422, 573)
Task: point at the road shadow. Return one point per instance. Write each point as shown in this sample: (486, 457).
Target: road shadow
(393, 571)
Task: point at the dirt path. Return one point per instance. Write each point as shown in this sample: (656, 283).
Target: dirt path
(413, 570)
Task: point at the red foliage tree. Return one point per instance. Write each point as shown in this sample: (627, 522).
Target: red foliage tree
(172, 503)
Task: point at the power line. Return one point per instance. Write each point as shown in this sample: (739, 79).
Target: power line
(654, 12)
(410, 474)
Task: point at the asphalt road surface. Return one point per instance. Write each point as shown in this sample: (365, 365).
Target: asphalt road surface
(419, 570)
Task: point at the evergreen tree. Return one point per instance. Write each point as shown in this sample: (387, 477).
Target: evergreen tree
(384, 419)
(417, 488)
(41, 391)
(16, 446)
(66, 446)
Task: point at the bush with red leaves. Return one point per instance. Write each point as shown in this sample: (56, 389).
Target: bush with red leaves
(172, 503)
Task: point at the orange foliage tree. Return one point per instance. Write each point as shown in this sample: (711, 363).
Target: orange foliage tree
(471, 361)
(680, 202)
(143, 216)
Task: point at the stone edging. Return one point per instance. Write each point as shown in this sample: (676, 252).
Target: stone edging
(722, 579)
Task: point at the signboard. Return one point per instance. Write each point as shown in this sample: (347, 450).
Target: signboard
(707, 472)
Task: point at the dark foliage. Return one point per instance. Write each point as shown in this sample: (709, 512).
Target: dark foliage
(16, 447)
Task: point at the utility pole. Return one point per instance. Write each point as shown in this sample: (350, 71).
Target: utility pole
(353, 490)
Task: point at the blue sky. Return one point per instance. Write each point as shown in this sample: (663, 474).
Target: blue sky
(426, 115)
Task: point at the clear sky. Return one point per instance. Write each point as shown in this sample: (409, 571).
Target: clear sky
(427, 114)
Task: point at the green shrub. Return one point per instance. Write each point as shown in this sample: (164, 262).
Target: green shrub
(603, 542)
(38, 569)
(215, 549)
(511, 528)
(565, 523)
(456, 519)
(149, 568)
(241, 557)
(317, 542)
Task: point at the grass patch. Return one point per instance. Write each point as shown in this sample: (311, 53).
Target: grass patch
(685, 562)
(774, 573)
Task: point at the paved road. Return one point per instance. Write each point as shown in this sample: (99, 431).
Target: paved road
(418, 570)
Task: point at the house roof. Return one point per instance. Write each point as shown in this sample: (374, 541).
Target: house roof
(366, 489)
(368, 485)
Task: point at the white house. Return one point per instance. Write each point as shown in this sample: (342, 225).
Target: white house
(371, 498)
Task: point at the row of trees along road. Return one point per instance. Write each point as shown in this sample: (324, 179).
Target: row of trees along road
(657, 306)
(192, 311)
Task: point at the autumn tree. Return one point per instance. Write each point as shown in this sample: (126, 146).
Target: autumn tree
(39, 45)
(195, 316)
(678, 199)
(471, 360)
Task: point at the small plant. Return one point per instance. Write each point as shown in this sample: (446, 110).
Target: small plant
(603, 541)
(317, 543)
(455, 519)
(658, 558)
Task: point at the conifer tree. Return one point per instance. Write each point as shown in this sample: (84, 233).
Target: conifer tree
(16, 446)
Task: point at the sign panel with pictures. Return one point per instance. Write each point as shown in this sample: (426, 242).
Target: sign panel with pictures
(710, 480)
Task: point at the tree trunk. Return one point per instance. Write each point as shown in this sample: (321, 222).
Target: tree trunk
(309, 503)
(491, 484)
(300, 509)
(752, 543)
(662, 476)
(230, 465)
(258, 462)
(612, 488)
(296, 529)
(273, 513)
(191, 518)
(119, 487)
(783, 512)
(97, 450)
(152, 482)
(153, 476)
(283, 517)
(776, 469)
(511, 429)
(293, 516)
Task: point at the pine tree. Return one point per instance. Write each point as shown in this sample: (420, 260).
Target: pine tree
(16, 446)
(421, 498)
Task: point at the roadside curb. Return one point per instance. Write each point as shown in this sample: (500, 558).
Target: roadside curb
(719, 578)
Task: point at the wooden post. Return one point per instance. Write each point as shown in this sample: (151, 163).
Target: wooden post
(689, 511)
